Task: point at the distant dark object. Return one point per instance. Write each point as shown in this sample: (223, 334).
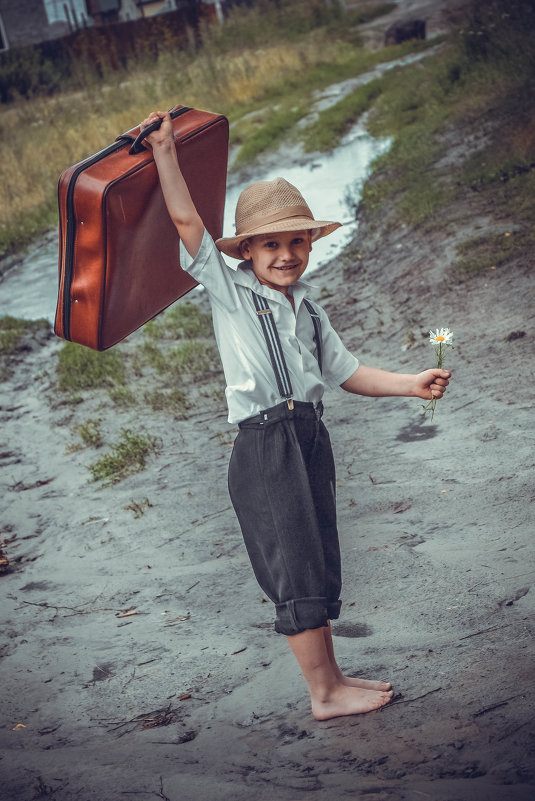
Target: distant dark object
(404, 30)
(515, 335)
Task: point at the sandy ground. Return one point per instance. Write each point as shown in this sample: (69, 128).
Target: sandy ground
(138, 657)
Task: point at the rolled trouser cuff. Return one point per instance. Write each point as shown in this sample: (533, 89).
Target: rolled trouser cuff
(301, 614)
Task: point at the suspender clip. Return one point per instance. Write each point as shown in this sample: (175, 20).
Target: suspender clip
(290, 402)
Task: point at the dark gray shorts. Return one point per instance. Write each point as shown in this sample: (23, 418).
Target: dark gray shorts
(282, 487)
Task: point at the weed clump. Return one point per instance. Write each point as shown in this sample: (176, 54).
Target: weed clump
(192, 359)
(90, 432)
(123, 397)
(491, 252)
(127, 456)
(172, 401)
(181, 321)
(138, 507)
(82, 368)
(14, 334)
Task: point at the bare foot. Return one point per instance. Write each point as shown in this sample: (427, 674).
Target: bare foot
(348, 700)
(366, 684)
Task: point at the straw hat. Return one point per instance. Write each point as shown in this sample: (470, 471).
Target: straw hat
(268, 207)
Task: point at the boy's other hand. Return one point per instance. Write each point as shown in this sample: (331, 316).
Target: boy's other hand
(164, 135)
(431, 383)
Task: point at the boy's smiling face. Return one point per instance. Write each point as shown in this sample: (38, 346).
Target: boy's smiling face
(278, 259)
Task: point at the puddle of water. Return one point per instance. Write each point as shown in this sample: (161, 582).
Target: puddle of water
(29, 289)
(324, 180)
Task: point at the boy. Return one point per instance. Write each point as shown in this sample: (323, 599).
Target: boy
(278, 353)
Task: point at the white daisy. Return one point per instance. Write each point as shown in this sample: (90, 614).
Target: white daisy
(441, 336)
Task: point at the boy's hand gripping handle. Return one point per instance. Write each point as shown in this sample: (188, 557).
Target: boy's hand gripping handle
(137, 143)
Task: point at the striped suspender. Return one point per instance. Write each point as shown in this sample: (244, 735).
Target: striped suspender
(317, 331)
(274, 346)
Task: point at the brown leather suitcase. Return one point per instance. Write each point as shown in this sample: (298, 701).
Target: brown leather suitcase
(119, 251)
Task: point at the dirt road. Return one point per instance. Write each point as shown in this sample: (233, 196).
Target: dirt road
(138, 657)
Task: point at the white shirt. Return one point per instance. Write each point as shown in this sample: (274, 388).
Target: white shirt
(251, 384)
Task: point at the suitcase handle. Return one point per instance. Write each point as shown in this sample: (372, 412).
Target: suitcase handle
(137, 145)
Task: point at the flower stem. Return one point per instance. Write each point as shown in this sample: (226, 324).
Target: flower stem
(430, 406)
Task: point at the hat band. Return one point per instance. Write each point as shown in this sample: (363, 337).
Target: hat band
(265, 219)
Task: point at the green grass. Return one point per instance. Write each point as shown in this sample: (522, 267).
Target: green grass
(127, 456)
(485, 77)
(14, 333)
(485, 253)
(25, 227)
(181, 321)
(193, 362)
(282, 104)
(13, 330)
(270, 129)
(193, 359)
(172, 401)
(80, 368)
(505, 165)
(334, 122)
(288, 50)
(90, 432)
(412, 110)
(123, 397)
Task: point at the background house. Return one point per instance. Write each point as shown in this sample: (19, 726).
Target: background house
(26, 22)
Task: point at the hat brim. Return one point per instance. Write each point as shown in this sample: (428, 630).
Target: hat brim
(230, 246)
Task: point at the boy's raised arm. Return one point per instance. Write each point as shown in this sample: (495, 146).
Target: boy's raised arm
(178, 200)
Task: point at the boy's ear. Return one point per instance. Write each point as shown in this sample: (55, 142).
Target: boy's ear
(245, 249)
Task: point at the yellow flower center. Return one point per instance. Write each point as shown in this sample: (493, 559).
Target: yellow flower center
(439, 339)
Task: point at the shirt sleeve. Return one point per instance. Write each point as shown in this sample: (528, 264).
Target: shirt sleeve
(210, 269)
(338, 363)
